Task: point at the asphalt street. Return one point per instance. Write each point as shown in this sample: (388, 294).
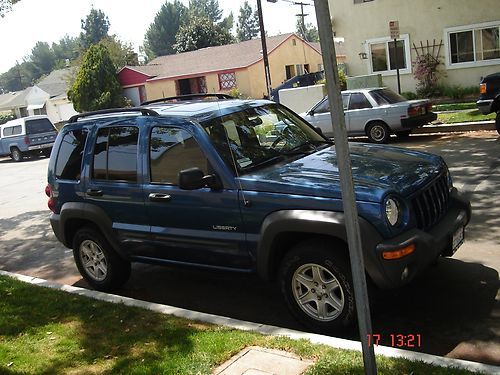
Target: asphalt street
(454, 306)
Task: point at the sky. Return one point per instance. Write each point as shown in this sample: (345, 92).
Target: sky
(50, 20)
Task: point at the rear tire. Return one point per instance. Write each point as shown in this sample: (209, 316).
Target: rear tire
(317, 286)
(97, 262)
(16, 154)
(378, 132)
(497, 122)
(46, 152)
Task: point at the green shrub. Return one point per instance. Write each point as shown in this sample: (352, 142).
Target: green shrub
(409, 95)
(6, 117)
(457, 91)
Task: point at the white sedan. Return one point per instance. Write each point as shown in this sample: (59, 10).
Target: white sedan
(375, 112)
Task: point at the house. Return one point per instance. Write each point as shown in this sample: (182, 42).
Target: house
(47, 97)
(220, 69)
(462, 35)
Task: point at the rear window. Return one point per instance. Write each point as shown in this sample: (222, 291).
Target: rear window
(41, 125)
(386, 96)
(69, 157)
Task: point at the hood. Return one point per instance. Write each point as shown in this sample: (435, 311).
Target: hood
(377, 170)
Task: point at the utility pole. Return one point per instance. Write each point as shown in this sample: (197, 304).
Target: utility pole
(346, 183)
(264, 49)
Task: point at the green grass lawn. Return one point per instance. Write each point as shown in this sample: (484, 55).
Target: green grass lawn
(464, 116)
(454, 106)
(44, 331)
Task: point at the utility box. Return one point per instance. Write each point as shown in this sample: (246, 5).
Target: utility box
(362, 82)
(301, 99)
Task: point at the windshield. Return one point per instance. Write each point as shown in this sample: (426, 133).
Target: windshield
(386, 96)
(260, 136)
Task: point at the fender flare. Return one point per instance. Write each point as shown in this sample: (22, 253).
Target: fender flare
(313, 222)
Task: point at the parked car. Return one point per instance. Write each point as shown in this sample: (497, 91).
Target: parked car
(489, 98)
(302, 80)
(375, 112)
(199, 183)
(27, 136)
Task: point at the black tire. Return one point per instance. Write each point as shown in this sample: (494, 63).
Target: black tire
(378, 132)
(16, 154)
(403, 135)
(97, 262)
(310, 265)
(497, 122)
(46, 152)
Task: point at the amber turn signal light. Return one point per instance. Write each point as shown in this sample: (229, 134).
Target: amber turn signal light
(482, 88)
(399, 253)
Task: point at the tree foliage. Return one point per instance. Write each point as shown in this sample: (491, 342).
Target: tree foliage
(308, 31)
(248, 23)
(121, 53)
(95, 27)
(160, 36)
(205, 9)
(96, 85)
(6, 6)
(201, 33)
(43, 59)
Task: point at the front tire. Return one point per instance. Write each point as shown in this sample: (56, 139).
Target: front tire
(317, 286)
(97, 262)
(16, 154)
(378, 132)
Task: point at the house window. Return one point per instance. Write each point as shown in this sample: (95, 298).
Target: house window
(227, 81)
(361, 1)
(386, 56)
(475, 43)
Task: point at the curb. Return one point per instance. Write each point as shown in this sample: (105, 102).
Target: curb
(455, 128)
(260, 328)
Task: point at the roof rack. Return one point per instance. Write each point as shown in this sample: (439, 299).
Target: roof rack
(188, 97)
(143, 111)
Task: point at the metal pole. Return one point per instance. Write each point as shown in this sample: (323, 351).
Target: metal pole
(264, 49)
(396, 61)
(346, 182)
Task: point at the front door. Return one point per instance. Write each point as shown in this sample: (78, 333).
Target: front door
(200, 226)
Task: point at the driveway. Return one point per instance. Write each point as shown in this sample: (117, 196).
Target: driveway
(454, 306)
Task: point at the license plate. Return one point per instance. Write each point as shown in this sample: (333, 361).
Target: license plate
(457, 239)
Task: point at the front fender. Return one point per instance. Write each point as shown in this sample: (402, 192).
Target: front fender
(324, 223)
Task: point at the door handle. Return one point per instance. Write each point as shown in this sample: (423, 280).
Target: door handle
(94, 192)
(159, 197)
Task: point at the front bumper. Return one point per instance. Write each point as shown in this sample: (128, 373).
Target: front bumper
(484, 106)
(417, 121)
(429, 244)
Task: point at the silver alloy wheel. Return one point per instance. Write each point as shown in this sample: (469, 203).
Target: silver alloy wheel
(377, 133)
(318, 292)
(93, 260)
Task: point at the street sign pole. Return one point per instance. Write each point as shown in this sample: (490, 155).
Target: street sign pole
(267, 72)
(394, 31)
(346, 182)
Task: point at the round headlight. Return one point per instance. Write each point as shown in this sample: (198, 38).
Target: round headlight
(392, 211)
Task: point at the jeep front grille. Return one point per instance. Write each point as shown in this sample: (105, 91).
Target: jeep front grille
(430, 205)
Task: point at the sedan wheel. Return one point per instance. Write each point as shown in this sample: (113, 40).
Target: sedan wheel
(378, 132)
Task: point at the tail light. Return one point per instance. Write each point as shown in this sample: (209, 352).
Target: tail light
(52, 201)
(412, 111)
(482, 88)
(27, 140)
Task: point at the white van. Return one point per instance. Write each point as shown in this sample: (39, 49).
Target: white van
(32, 135)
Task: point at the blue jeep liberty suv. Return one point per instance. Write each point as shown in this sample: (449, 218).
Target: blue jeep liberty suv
(245, 186)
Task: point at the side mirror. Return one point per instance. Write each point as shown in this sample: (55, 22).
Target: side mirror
(310, 113)
(318, 130)
(194, 178)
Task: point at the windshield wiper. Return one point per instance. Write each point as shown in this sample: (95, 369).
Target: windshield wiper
(262, 163)
(295, 150)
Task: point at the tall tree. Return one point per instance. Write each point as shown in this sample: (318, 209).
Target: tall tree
(206, 8)
(43, 58)
(6, 6)
(248, 23)
(96, 85)
(201, 33)
(67, 48)
(121, 53)
(95, 27)
(308, 31)
(160, 36)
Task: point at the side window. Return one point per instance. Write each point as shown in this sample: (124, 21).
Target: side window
(345, 101)
(17, 130)
(12, 130)
(323, 107)
(115, 154)
(172, 150)
(69, 156)
(7, 131)
(359, 101)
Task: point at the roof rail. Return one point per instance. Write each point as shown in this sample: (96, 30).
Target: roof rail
(144, 112)
(188, 97)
